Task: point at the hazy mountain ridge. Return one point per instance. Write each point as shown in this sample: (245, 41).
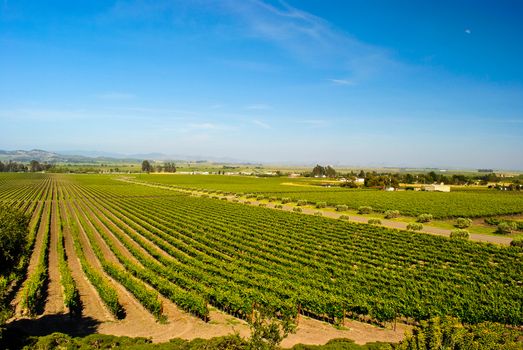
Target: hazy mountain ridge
(99, 157)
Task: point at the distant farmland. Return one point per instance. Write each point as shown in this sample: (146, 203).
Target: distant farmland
(470, 203)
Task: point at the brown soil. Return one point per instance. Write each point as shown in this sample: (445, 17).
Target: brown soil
(54, 303)
(134, 310)
(92, 304)
(33, 261)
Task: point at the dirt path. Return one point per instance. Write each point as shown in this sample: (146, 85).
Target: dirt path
(54, 303)
(92, 305)
(33, 261)
(314, 332)
(135, 312)
(333, 215)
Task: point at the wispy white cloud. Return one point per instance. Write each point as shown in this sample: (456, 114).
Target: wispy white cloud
(209, 126)
(309, 38)
(261, 124)
(341, 81)
(114, 95)
(468, 31)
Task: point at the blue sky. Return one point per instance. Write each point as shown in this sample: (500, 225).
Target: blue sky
(408, 83)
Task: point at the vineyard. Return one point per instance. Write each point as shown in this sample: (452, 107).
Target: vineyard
(463, 203)
(200, 253)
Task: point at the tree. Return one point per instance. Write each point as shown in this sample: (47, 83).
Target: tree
(34, 166)
(463, 222)
(409, 179)
(13, 238)
(330, 172)
(169, 167)
(146, 166)
(318, 170)
(449, 333)
(267, 330)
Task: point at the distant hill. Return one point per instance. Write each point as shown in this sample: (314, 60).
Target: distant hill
(99, 157)
(52, 157)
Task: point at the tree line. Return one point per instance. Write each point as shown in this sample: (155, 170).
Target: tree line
(383, 180)
(15, 167)
(167, 167)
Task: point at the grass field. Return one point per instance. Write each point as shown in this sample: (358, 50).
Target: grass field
(197, 253)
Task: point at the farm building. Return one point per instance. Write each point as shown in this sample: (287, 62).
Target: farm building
(437, 188)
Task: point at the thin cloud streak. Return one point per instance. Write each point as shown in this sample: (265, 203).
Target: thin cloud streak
(261, 124)
(341, 81)
(310, 38)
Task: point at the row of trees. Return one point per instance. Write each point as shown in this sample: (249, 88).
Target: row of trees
(323, 171)
(167, 167)
(374, 179)
(14, 167)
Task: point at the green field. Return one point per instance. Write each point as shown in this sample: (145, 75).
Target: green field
(460, 203)
(202, 252)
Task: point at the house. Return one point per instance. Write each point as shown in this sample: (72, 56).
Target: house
(437, 188)
(390, 189)
(359, 180)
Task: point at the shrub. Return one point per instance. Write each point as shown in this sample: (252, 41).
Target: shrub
(247, 202)
(260, 197)
(506, 227)
(424, 218)
(297, 209)
(318, 213)
(365, 210)
(13, 237)
(341, 207)
(262, 205)
(286, 200)
(463, 222)
(278, 206)
(391, 214)
(414, 226)
(321, 204)
(235, 200)
(301, 202)
(250, 195)
(517, 242)
(223, 198)
(374, 221)
(344, 217)
(459, 234)
(272, 199)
